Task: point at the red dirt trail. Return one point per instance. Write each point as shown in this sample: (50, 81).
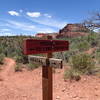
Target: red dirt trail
(27, 85)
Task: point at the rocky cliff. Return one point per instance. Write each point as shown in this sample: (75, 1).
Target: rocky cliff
(73, 30)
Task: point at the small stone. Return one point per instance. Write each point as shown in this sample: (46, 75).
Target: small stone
(59, 72)
(24, 96)
(58, 97)
(96, 88)
(84, 79)
(1, 79)
(64, 89)
(81, 97)
(96, 95)
(75, 96)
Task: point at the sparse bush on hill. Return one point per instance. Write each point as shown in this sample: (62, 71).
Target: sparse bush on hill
(72, 75)
(83, 46)
(93, 39)
(80, 64)
(21, 59)
(83, 63)
(1, 58)
(97, 55)
(13, 47)
(32, 66)
(18, 68)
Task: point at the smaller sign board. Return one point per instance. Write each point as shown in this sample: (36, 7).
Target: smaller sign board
(57, 63)
(37, 59)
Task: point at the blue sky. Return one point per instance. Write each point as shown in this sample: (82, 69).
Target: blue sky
(29, 17)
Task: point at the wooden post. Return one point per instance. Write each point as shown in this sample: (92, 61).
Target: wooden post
(34, 46)
(47, 88)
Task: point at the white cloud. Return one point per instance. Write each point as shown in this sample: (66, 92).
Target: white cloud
(29, 27)
(13, 13)
(45, 30)
(19, 25)
(49, 22)
(5, 30)
(47, 15)
(33, 14)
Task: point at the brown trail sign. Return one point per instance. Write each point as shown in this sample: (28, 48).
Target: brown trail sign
(33, 46)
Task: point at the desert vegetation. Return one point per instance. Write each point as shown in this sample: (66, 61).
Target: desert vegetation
(83, 56)
(12, 47)
(80, 61)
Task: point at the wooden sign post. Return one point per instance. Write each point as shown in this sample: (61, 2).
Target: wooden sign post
(33, 46)
(47, 79)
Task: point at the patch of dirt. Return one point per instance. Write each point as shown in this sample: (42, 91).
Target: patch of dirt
(8, 68)
(90, 51)
(27, 85)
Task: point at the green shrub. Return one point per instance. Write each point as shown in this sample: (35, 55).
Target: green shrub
(32, 66)
(12, 46)
(83, 63)
(18, 68)
(97, 55)
(18, 59)
(21, 59)
(1, 58)
(83, 46)
(80, 64)
(72, 75)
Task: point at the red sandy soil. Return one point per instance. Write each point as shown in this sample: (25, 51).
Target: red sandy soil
(90, 51)
(27, 85)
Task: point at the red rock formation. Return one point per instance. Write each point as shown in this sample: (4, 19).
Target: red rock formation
(73, 30)
(70, 30)
(40, 35)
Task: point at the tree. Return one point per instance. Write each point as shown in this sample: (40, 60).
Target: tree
(93, 22)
